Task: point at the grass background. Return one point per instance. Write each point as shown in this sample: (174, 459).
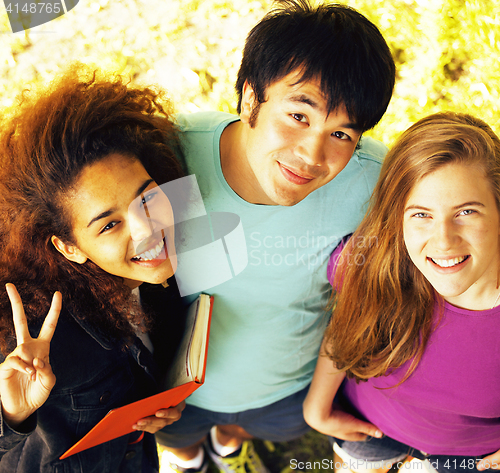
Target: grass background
(447, 54)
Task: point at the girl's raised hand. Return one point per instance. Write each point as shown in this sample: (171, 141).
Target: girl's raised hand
(26, 377)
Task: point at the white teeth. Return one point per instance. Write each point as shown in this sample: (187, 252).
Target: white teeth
(150, 254)
(448, 263)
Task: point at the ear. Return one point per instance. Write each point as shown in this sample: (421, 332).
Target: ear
(70, 252)
(247, 102)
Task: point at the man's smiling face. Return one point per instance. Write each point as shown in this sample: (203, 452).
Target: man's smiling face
(294, 147)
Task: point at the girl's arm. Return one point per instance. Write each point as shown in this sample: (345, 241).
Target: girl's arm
(323, 415)
(491, 462)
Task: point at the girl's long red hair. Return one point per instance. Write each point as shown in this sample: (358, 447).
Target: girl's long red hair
(383, 308)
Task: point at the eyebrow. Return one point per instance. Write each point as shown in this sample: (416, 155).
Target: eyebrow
(302, 98)
(108, 212)
(465, 204)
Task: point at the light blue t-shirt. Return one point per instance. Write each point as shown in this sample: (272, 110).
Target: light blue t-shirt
(268, 321)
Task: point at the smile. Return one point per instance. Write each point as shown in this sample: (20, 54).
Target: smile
(293, 177)
(448, 263)
(150, 254)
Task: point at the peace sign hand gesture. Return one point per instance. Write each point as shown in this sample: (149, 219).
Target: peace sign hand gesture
(26, 377)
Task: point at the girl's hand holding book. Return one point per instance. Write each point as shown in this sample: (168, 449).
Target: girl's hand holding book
(161, 419)
(26, 377)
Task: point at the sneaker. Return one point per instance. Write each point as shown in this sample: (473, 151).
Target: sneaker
(167, 467)
(244, 460)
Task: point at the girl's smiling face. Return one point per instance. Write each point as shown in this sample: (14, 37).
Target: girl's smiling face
(451, 232)
(121, 221)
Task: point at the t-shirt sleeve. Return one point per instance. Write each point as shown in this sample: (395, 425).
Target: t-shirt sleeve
(334, 258)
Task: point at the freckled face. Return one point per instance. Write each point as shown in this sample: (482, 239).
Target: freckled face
(451, 231)
(295, 147)
(123, 222)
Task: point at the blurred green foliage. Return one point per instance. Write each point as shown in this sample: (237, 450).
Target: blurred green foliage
(447, 54)
(447, 51)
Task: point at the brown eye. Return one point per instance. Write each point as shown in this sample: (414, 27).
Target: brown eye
(299, 117)
(107, 227)
(341, 135)
(146, 198)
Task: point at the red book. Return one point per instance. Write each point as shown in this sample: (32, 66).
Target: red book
(186, 374)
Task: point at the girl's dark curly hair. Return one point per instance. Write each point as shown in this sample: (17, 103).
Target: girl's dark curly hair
(44, 145)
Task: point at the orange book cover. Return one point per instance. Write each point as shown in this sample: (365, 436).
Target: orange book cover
(118, 422)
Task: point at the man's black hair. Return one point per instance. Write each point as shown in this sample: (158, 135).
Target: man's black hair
(333, 43)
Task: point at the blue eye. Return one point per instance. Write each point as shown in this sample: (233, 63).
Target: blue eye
(466, 212)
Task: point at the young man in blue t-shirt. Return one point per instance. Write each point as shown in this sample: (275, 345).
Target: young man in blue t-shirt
(294, 168)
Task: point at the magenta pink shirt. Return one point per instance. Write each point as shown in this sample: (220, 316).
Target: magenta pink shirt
(450, 405)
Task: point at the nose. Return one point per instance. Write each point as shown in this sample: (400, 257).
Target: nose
(140, 224)
(311, 149)
(445, 235)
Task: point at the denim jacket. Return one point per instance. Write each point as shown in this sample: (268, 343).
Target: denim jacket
(93, 375)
